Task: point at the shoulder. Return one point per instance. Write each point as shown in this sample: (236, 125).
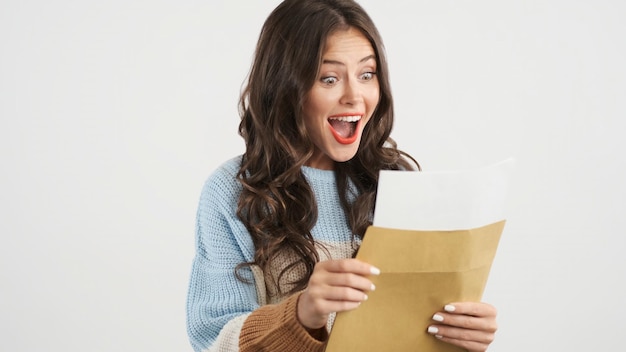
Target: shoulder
(222, 184)
(227, 171)
(217, 223)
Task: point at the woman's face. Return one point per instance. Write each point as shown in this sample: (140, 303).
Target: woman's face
(342, 99)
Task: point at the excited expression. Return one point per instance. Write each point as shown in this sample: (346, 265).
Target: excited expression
(342, 99)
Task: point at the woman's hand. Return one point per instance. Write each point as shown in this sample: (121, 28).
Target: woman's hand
(334, 286)
(468, 325)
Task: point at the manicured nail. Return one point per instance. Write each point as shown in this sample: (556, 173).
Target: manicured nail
(373, 287)
(365, 297)
(449, 308)
(439, 336)
(432, 330)
(437, 317)
(374, 270)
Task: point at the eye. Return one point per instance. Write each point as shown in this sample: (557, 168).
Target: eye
(368, 76)
(329, 80)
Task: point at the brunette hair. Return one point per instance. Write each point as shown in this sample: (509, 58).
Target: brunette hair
(277, 204)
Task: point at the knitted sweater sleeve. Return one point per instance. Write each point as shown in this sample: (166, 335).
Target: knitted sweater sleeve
(223, 312)
(217, 301)
(276, 328)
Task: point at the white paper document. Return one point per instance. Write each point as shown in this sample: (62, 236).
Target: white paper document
(443, 200)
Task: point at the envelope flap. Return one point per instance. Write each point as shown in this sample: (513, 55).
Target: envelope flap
(393, 250)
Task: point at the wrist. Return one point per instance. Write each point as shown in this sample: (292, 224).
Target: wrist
(312, 325)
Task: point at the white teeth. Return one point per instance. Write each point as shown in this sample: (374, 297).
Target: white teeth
(347, 118)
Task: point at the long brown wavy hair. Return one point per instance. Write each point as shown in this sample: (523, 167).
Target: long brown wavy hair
(277, 204)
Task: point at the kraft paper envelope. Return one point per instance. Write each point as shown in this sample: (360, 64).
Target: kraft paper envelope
(422, 270)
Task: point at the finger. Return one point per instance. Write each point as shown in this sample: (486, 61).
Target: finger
(349, 280)
(487, 324)
(342, 306)
(337, 293)
(349, 266)
(470, 346)
(477, 309)
(460, 334)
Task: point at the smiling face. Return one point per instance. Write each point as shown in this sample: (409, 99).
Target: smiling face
(342, 99)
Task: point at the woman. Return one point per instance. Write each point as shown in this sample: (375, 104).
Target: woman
(277, 227)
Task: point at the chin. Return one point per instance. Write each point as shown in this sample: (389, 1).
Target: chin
(346, 156)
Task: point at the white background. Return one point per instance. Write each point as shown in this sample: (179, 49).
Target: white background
(114, 112)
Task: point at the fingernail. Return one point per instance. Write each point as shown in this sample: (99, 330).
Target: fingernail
(449, 308)
(373, 287)
(374, 270)
(432, 330)
(437, 317)
(439, 336)
(365, 297)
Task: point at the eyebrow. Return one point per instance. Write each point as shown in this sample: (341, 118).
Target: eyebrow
(335, 62)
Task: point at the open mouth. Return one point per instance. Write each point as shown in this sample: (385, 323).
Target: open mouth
(344, 128)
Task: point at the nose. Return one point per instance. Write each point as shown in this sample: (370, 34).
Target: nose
(352, 94)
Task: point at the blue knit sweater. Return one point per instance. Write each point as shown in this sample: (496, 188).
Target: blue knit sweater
(218, 303)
